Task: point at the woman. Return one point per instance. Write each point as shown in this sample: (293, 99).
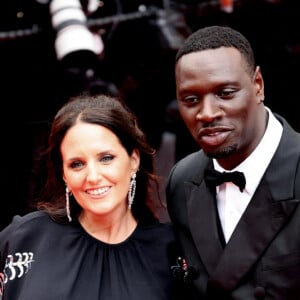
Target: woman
(94, 235)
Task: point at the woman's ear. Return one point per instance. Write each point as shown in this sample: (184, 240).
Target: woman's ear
(64, 178)
(135, 160)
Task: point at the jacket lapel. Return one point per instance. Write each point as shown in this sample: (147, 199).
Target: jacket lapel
(203, 217)
(251, 238)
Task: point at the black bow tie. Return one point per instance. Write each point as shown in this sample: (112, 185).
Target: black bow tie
(214, 178)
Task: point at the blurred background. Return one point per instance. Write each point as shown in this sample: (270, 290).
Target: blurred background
(51, 50)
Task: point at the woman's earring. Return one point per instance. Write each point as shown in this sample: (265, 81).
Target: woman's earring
(131, 192)
(68, 204)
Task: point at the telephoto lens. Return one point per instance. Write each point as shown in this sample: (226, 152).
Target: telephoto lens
(70, 23)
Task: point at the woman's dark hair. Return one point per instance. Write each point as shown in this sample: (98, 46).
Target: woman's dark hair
(113, 114)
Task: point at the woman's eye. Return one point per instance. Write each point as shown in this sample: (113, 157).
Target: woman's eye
(107, 158)
(76, 164)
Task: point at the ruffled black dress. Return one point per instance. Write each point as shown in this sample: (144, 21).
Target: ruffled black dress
(43, 260)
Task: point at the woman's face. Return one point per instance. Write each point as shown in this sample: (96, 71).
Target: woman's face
(97, 169)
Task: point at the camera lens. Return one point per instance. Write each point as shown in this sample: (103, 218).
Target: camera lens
(69, 21)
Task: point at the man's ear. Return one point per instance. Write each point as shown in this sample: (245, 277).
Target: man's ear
(259, 83)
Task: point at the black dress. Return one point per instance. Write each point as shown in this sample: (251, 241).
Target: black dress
(43, 260)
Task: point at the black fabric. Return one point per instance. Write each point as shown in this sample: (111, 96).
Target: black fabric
(214, 178)
(46, 260)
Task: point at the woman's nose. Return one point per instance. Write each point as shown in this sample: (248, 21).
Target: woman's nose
(93, 174)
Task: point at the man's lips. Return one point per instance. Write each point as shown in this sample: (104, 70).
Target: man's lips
(214, 136)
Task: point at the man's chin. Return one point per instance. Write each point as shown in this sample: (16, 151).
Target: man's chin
(220, 153)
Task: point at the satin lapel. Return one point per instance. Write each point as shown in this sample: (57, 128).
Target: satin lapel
(251, 238)
(203, 224)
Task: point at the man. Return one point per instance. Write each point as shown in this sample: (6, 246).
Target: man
(240, 240)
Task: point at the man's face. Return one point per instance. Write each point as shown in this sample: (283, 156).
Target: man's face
(221, 103)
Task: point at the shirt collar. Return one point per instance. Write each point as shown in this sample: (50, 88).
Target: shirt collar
(257, 162)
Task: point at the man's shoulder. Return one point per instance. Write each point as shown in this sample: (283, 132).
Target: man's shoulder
(194, 161)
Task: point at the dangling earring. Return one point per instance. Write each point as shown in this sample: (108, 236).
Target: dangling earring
(68, 204)
(131, 192)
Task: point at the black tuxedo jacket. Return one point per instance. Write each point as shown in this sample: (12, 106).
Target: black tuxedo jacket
(262, 258)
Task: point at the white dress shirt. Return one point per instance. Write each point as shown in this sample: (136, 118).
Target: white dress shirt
(231, 202)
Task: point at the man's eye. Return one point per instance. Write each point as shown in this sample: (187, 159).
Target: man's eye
(226, 94)
(190, 100)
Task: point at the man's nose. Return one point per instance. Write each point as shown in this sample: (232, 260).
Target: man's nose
(209, 109)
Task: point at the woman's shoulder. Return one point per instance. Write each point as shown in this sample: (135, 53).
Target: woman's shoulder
(158, 226)
(21, 224)
(35, 216)
(158, 231)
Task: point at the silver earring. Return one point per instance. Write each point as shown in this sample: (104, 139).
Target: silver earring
(131, 192)
(68, 204)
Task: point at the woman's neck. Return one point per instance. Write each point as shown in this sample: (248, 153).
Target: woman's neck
(107, 229)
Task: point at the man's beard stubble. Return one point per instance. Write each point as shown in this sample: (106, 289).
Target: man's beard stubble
(223, 152)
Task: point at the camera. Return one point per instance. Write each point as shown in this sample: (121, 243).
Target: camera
(70, 23)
